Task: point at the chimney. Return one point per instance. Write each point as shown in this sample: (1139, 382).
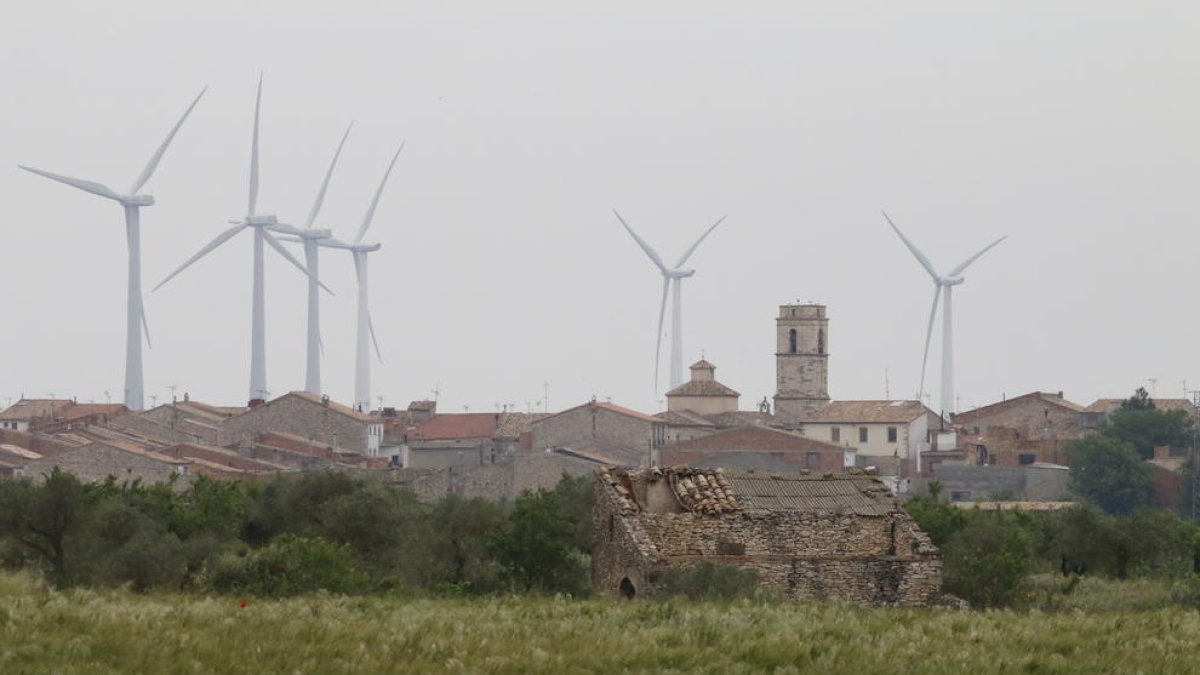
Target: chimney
(324, 400)
(255, 402)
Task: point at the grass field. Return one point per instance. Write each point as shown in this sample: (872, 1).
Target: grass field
(84, 631)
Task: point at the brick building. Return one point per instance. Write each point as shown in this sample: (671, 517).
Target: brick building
(1037, 414)
(618, 435)
(843, 537)
(308, 416)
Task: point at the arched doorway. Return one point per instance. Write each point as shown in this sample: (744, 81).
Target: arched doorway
(626, 589)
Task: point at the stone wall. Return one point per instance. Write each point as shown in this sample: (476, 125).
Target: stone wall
(594, 428)
(1033, 416)
(876, 560)
(503, 480)
(97, 461)
(976, 483)
(294, 415)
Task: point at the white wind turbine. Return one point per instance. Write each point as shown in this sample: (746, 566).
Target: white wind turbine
(942, 285)
(135, 312)
(311, 239)
(671, 275)
(366, 328)
(262, 225)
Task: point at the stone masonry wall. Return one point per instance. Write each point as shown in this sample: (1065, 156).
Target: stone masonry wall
(293, 415)
(595, 428)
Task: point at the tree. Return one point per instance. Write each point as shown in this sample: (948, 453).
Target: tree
(40, 518)
(536, 546)
(461, 532)
(1110, 474)
(986, 561)
(1139, 422)
(935, 516)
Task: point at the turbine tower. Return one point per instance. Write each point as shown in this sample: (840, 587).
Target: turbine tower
(365, 329)
(311, 238)
(135, 312)
(942, 285)
(671, 276)
(262, 225)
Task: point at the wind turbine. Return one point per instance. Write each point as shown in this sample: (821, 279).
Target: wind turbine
(262, 225)
(131, 201)
(311, 238)
(671, 275)
(365, 327)
(942, 285)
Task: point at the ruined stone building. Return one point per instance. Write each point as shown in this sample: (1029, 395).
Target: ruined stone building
(811, 536)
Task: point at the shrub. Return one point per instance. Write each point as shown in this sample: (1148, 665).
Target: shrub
(705, 580)
(986, 562)
(289, 565)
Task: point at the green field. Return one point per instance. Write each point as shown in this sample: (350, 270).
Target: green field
(115, 631)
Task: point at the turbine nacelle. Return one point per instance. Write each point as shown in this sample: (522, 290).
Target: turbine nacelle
(137, 200)
(949, 281)
(679, 274)
(260, 221)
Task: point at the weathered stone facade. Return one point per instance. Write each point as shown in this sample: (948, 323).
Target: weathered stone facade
(801, 361)
(307, 416)
(812, 537)
(619, 434)
(97, 461)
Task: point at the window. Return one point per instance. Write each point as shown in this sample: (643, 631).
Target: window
(812, 460)
(1026, 458)
(730, 548)
(891, 434)
(792, 341)
(835, 434)
(862, 434)
(960, 495)
(821, 341)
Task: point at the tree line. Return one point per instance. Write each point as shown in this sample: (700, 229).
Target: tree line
(291, 535)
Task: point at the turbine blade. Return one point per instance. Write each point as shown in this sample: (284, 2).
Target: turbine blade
(316, 207)
(85, 185)
(645, 247)
(959, 270)
(692, 250)
(371, 328)
(217, 241)
(362, 229)
(284, 228)
(145, 324)
(662, 312)
(254, 152)
(937, 295)
(153, 163)
(292, 259)
(911, 247)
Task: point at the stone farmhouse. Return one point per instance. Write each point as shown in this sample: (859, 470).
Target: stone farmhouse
(810, 536)
(126, 462)
(605, 432)
(311, 417)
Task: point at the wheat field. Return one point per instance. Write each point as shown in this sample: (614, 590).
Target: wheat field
(115, 631)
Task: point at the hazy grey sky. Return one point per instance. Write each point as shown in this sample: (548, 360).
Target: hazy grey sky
(1070, 126)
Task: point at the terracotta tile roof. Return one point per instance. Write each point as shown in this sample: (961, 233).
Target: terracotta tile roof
(611, 407)
(15, 451)
(84, 409)
(763, 439)
(1110, 405)
(716, 491)
(422, 405)
(1040, 396)
(702, 363)
(740, 418)
(870, 412)
(702, 388)
(332, 405)
(29, 408)
(683, 418)
(448, 426)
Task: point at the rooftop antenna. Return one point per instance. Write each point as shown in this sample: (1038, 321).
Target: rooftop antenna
(132, 201)
(153, 400)
(436, 391)
(380, 399)
(466, 408)
(172, 387)
(1153, 386)
(887, 385)
(545, 397)
(107, 397)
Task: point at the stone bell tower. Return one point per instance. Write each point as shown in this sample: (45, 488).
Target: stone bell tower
(801, 361)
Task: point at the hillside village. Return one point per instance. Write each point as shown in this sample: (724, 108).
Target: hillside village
(1010, 449)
